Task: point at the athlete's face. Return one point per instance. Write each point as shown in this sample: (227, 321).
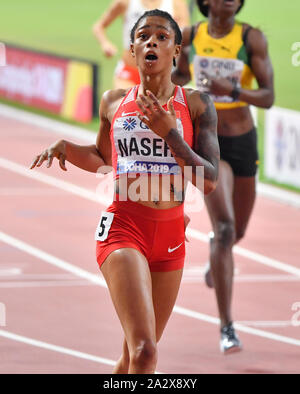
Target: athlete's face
(154, 45)
(219, 7)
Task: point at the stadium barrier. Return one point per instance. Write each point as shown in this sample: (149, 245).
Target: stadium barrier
(282, 146)
(60, 85)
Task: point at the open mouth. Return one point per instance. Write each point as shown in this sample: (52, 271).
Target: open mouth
(151, 57)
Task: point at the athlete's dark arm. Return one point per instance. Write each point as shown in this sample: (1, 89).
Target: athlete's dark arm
(86, 157)
(262, 68)
(205, 152)
(181, 74)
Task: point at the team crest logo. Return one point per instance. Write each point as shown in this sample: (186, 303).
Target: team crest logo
(204, 63)
(129, 124)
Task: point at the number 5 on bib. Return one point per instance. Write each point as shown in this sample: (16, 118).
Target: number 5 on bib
(104, 226)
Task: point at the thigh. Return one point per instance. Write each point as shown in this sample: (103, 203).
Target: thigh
(165, 286)
(219, 203)
(243, 200)
(127, 275)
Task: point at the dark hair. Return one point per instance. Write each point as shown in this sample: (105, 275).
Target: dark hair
(205, 8)
(162, 14)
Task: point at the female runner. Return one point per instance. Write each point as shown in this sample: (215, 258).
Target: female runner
(126, 73)
(148, 133)
(223, 56)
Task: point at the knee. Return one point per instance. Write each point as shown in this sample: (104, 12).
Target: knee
(144, 354)
(224, 234)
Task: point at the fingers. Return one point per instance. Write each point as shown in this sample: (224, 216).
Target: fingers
(38, 161)
(144, 119)
(155, 101)
(62, 162)
(43, 157)
(49, 156)
(170, 106)
(50, 160)
(33, 164)
(154, 115)
(145, 105)
(149, 104)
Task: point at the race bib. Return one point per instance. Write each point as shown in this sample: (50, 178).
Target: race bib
(104, 226)
(140, 150)
(211, 67)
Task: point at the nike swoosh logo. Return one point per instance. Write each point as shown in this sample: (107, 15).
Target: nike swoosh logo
(128, 113)
(176, 247)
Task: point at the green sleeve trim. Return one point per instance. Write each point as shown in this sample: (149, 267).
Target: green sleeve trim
(243, 55)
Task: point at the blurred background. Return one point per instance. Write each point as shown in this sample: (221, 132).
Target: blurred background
(64, 28)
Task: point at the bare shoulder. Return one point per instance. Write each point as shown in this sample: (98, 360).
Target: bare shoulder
(200, 103)
(112, 95)
(110, 101)
(256, 38)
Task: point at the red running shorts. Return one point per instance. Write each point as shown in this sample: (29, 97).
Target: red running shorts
(158, 234)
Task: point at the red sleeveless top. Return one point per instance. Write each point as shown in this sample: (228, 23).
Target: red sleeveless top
(136, 148)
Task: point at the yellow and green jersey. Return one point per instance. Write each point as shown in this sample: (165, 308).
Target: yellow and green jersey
(224, 57)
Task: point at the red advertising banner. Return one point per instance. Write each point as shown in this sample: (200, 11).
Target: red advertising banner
(62, 86)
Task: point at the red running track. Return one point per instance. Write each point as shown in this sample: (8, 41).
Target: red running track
(59, 320)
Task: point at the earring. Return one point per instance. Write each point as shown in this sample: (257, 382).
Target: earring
(205, 2)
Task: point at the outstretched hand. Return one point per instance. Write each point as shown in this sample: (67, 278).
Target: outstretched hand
(55, 150)
(155, 116)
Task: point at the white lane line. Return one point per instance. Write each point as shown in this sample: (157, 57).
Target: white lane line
(48, 258)
(10, 281)
(266, 323)
(55, 182)
(47, 124)
(257, 257)
(55, 348)
(10, 271)
(37, 277)
(18, 285)
(92, 196)
(25, 247)
(246, 278)
(29, 191)
(195, 274)
(239, 327)
(54, 126)
(280, 195)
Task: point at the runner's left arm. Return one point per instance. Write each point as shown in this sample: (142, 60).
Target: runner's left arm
(261, 66)
(205, 152)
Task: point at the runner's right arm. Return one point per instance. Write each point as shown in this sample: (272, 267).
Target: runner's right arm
(86, 157)
(117, 8)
